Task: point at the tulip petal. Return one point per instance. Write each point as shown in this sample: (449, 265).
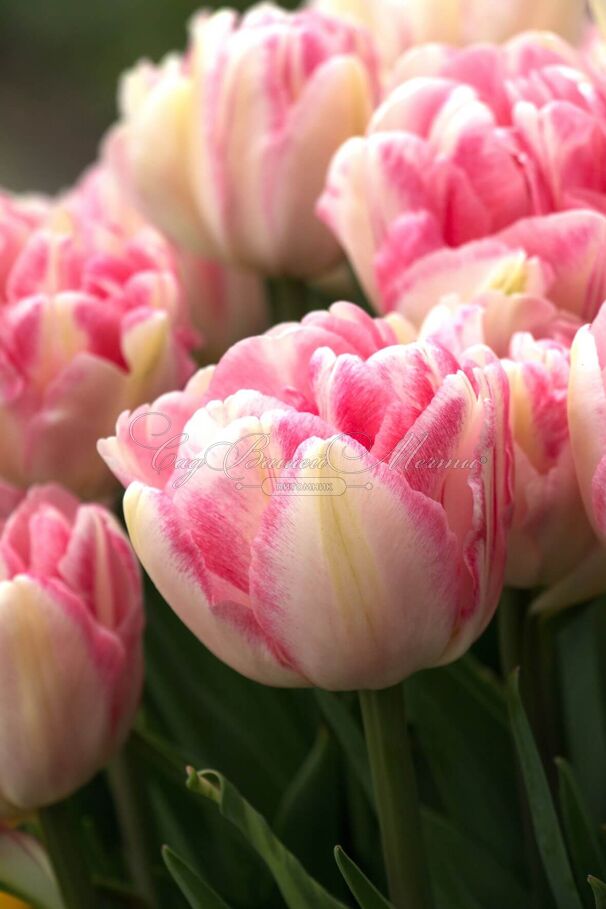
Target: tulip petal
(320, 569)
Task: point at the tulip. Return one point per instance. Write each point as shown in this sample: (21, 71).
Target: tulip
(587, 416)
(542, 552)
(70, 646)
(543, 275)
(397, 25)
(91, 321)
(281, 508)
(468, 144)
(225, 304)
(552, 544)
(18, 217)
(226, 149)
(25, 868)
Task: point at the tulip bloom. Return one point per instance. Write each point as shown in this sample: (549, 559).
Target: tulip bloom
(71, 621)
(542, 552)
(91, 321)
(327, 507)
(587, 415)
(225, 304)
(544, 275)
(397, 25)
(226, 149)
(471, 142)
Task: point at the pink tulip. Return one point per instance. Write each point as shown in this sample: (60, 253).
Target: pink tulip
(70, 646)
(545, 275)
(225, 304)
(587, 416)
(542, 551)
(552, 544)
(91, 321)
(226, 149)
(397, 25)
(283, 507)
(468, 144)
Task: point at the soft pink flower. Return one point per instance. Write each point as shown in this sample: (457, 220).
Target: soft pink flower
(552, 544)
(225, 304)
(70, 646)
(587, 416)
(397, 25)
(394, 562)
(469, 143)
(91, 321)
(545, 275)
(226, 149)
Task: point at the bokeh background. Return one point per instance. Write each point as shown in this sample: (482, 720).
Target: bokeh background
(60, 61)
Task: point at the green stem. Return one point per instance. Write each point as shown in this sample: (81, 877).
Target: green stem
(395, 789)
(63, 841)
(128, 801)
(511, 618)
(289, 299)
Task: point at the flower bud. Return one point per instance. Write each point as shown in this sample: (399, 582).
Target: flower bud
(71, 621)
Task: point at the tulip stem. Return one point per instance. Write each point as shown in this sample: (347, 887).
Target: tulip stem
(128, 799)
(289, 299)
(395, 788)
(63, 842)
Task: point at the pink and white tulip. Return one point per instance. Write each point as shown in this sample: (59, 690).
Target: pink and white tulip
(544, 275)
(398, 566)
(71, 620)
(587, 416)
(226, 148)
(91, 321)
(398, 25)
(552, 545)
(468, 144)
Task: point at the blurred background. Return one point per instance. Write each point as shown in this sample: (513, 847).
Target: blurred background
(59, 66)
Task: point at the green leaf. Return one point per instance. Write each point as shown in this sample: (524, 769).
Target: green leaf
(581, 836)
(299, 890)
(582, 662)
(453, 854)
(309, 816)
(366, 894)
(599, 891)
(545, 822)
(459, 718)
(258, 735)
(198, 893)
(349, 735)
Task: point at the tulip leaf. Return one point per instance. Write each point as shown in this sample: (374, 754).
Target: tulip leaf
(459, 719)
(581, 836)
(582, 660)
(366, 894)
(259, 734)
(198, 893)
(452, 854)
(598, 888)
(299, 890)
(349, 735)
(544, 818)
(308, 818)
